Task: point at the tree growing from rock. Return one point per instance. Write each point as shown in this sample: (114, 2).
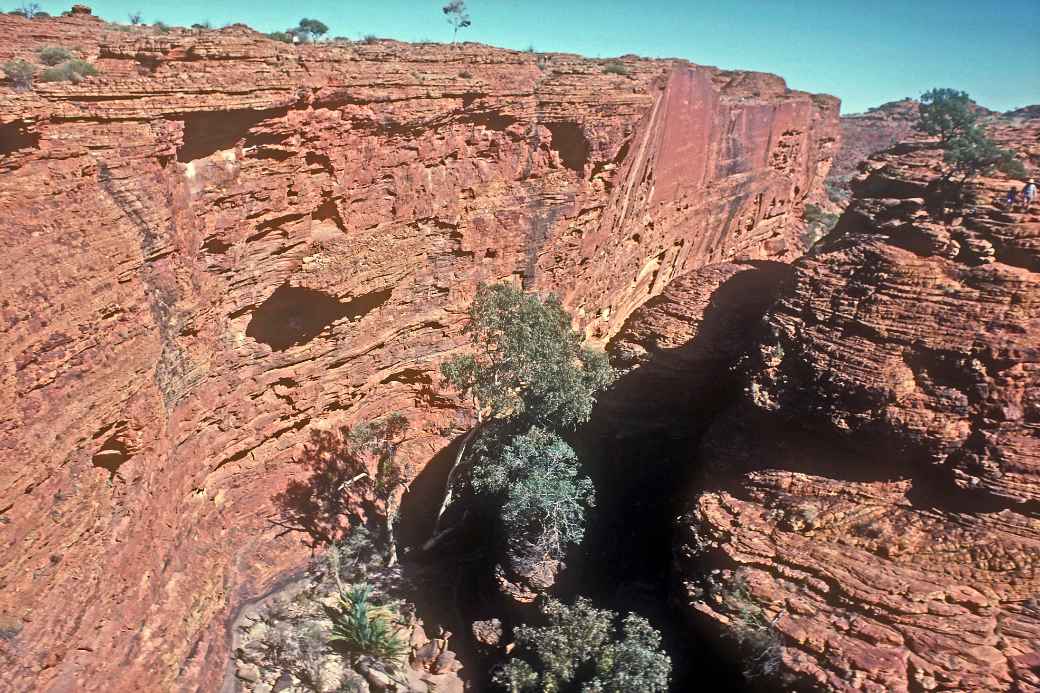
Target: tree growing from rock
(580, 645)
(527, 366)
(350, 469)
(946, 114)
(534, 481)
(951, 116)
(457, 15)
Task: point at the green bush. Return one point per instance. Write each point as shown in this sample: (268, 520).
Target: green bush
(161, 27)
(369, 39)
(753, 631)
(283, 36)
(135, 18)
(973, 153)
(71, 71)
(19, 73)
(534, 482)
(365, 629)
(580, 645)
(54, 55)
(616, 67)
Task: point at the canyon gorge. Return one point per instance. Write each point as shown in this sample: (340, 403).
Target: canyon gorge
(222, 246)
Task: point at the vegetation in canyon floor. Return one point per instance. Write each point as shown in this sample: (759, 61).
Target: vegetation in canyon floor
(528, 378)
(580, 646)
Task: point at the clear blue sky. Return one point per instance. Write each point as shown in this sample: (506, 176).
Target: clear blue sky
(864, 51)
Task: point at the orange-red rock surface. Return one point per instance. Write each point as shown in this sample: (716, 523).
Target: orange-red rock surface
(884, 503)
(222, 243)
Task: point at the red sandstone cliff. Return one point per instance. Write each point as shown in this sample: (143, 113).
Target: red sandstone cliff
(884, 504)
(222, 243)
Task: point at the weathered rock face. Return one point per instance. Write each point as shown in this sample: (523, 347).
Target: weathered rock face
(863, 134)
(885, 513)
(223, 243)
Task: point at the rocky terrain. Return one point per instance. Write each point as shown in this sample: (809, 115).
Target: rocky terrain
(872, 505)
(222, 245)
(863, 134)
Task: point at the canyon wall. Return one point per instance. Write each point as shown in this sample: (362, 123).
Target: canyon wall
(223, 244)
(872, 505)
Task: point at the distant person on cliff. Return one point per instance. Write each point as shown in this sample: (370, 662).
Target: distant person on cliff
(1011, 199)
(1029, 194)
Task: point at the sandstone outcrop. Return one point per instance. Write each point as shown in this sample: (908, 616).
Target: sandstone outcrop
(222, 243)
(882, 509)
(876, 130)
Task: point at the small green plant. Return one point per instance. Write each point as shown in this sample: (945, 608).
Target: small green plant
(365, 629)
(369, 39)
(616, 67)
(161, 27)
(580, 645)
(753, 631)
(54, 55)
(283, 36)
(135, 18)
(202, 25)
(70, 71)
(19, 73)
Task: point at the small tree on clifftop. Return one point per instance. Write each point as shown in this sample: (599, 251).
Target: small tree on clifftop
(310, 29)
(951, 116)
(946, 113)
(458, 16)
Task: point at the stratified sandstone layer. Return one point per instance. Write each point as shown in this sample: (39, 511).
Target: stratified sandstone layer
(222, 244)
(884, 511)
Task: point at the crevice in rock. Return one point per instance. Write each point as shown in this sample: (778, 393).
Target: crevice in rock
(294, 315)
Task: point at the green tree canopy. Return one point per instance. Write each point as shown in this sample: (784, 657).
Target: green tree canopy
(528, 361)
(946, 113)
(558, 656)
(526, 366)
(973, 153)
(951, 116)
(534, 478)
(312, 27)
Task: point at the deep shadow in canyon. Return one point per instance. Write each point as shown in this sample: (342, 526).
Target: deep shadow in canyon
(640, 449)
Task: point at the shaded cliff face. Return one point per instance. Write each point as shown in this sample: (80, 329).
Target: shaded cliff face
(863, 134)
(223, 244)
(882, 506)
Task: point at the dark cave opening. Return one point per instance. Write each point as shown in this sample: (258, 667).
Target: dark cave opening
(294, 315)
(569, 140)
(209, 132)
(16, 135)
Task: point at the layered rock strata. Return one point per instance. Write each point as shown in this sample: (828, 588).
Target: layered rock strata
(881, 521)
(222, 244)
